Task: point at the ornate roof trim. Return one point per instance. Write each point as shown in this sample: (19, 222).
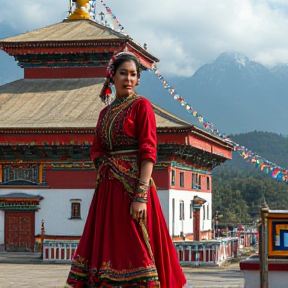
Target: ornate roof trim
(195, 130)
(50, 130)
(19, 196)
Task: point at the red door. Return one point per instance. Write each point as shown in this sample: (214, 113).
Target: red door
(19, 231)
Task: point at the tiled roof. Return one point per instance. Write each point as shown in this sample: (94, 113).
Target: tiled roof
(69, 30)
(60, 103)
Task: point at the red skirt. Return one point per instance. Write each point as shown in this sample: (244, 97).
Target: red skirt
(114, 250)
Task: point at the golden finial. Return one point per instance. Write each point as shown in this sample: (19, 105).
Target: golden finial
(81, 10)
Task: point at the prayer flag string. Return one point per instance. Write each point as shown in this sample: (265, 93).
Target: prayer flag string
(109, 11)
(276, 172)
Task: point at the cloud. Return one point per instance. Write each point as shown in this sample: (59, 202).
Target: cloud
(28, 15)
(184, 34)
(204, 29)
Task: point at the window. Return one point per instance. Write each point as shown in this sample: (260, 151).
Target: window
(181, 179)
(75, 208)
(173, 176)
(196, 181)
(181, 210)
(208, 183)
(208, 216)
(204, 212)
(22, 174)
(191, 210)
(173, 216)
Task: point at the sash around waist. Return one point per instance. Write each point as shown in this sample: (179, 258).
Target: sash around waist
(124, 167)
(120, 152)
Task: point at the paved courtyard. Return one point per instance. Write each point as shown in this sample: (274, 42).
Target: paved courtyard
(53, 276)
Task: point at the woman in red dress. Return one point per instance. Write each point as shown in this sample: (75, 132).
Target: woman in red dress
(125, 242)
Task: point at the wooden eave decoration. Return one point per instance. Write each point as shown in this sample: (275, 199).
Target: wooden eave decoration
(191, 131)
(52, 130)
(190, 154)
(72, 46)
(20, 201)
(21, 197)
(198, 200)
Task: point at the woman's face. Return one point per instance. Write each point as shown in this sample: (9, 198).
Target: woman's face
(125, 79)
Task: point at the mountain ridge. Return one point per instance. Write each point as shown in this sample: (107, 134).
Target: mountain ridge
(239, 188)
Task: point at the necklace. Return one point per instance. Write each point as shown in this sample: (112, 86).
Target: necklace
(120, 101)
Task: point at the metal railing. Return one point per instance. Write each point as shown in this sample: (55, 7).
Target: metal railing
(59, 250)
(201, 253)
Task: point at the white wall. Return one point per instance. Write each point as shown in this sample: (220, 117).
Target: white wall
(2, 227)
(55, 210)
(186, 225)
(164, 201)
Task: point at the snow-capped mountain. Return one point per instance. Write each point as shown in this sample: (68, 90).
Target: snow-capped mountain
(280, 71)
(236, 94)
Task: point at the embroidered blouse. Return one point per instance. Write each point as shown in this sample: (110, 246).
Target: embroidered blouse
(125, 125)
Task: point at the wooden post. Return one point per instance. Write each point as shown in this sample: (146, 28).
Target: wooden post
(196, 223)
(40, 173)
(263, 251)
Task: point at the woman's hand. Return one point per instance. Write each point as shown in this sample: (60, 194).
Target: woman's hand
(138, 211)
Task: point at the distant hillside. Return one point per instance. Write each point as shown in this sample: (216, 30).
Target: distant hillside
(271, 146)
(239, 188)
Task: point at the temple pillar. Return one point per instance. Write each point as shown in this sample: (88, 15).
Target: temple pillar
(40, 173)
(197, 204)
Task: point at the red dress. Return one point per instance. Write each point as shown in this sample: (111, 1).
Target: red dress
(115, 250)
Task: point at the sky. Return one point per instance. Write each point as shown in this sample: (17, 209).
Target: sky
(183, 34)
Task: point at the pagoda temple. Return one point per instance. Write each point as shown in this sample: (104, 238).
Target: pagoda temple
(47, 123)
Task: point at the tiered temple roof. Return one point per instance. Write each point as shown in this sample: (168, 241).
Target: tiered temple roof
(52, 113)
(84, 43)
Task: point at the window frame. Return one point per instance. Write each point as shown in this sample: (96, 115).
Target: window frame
(204, 212)
(181, 210)
(173, 177)
(75, 203)
(208, 183)
(196, 181)
(182, 179)
(191, 210)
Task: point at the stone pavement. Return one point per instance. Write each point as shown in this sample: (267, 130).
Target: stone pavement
(24, 270)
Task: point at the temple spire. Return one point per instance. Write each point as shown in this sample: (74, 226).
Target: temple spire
(81, 11)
